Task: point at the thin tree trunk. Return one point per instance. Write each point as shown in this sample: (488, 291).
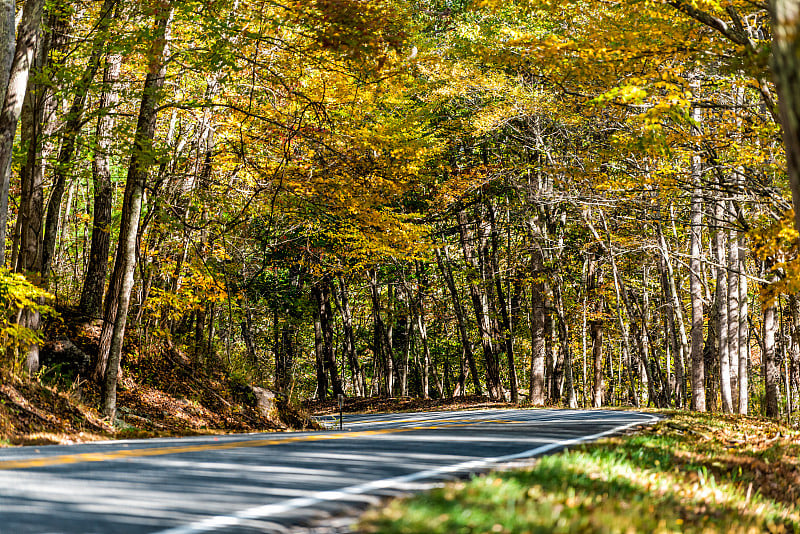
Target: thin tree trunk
(342, 302)
(711, 357)
(722, 310)
(321, 293)
(381, 347)
(695, 284)
(74, 121)
(743, 355)
(468, 357)
(794, 352)
(733, 316)
(679, 329)
(596, 334)
(118, 299)
(480, 308)
(319, 349)
(772, 375)
(506, 327)
(97, 268)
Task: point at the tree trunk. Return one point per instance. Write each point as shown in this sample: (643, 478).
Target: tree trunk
(743, 355)
(7, 46)
(382, 347)
(711, 357)
(772, 375)
(695, 284)
(321, 293)
(479, 303)
(538, 335)
(118, 298)
(70, 131)
(14, 96)
(721, 299)
(505, 318)
(342, 302)
(593, 277)
(96, 270)
(676, 319)
(596, 334)
(319, 350)
(785, 63)
(468, 358)
(733, 317)
(794, 352)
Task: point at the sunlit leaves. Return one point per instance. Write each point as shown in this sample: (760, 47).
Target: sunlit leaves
(17, 294)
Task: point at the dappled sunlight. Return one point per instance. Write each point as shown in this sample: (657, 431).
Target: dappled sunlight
(248, 482)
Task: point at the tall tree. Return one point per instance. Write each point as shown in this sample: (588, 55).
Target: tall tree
(119, 293)
(14, 96)
(695, 283)
(70, 131)
(785, 63)
(95, 278)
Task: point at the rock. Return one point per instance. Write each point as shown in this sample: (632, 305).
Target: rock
(266, 402)
(64, 354)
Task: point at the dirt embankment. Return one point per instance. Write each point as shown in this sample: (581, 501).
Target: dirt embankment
(162, 392)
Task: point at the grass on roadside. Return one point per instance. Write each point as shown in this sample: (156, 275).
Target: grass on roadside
(690, 473)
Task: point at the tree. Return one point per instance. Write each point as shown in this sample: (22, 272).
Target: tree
(118, 296)
(14, 94)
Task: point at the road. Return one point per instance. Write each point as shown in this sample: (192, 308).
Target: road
(250, 483)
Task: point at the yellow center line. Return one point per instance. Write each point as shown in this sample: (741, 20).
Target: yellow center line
(160, 451)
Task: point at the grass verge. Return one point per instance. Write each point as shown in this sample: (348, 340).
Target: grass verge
(690, 473)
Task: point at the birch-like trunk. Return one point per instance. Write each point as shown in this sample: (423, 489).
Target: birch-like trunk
(772, 375)
(721, 303)
(676, 320)
(733, 316)
(695, 284)
(743, 354)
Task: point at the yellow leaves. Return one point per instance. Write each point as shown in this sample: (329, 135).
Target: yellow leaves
(196, 288)
(16, 293)
(778, 243)
(628, 94)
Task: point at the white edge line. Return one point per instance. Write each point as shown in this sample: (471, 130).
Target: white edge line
(262, 512)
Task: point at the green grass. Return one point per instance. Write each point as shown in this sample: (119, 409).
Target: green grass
(688, 474)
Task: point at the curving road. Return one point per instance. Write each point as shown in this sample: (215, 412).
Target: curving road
(250, 483)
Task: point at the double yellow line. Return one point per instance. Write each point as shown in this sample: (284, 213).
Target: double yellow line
(181, 449)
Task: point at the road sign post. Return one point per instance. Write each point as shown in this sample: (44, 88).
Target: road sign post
(341, 409)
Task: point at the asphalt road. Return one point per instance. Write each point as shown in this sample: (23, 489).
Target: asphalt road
(250, 483)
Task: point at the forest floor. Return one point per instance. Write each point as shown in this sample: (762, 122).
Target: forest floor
(43, 412)
(162, 393)
(688, 473)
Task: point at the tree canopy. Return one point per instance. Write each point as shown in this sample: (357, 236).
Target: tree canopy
(572, 202)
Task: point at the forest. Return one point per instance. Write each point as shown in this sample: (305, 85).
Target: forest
(568, 202)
